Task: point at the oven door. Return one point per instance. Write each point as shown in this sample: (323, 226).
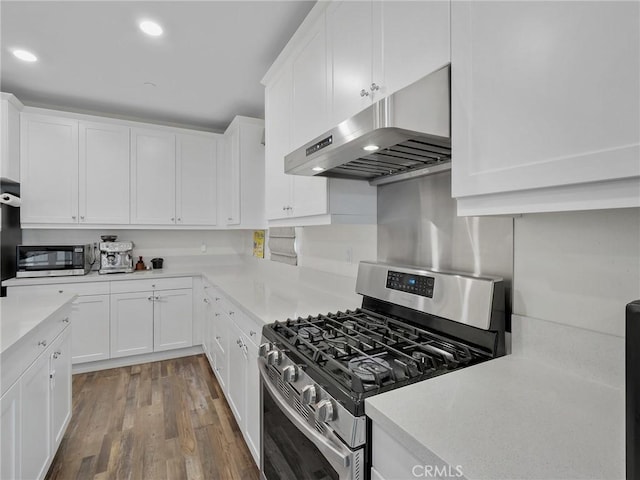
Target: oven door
(294, 450)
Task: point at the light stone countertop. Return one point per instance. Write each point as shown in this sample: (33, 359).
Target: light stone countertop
(510, 418)
(268, 290)
(20, 315)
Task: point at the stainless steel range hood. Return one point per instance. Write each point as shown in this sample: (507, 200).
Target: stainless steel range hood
(410, 128)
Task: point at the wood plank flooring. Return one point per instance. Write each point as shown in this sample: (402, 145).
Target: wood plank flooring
(162, 420)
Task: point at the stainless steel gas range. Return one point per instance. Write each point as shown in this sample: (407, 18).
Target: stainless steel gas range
(316, 372)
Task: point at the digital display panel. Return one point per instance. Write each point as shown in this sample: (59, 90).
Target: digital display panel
(405, 282)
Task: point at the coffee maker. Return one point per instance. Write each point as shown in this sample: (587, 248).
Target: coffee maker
(115, 257)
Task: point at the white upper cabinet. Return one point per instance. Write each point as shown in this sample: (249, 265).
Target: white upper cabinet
(350, 47)
(242, 173)
(410, 40)
(376, 48)
(49, 169)
(103, 174)
(545, 106)
(10, 108)
(196, 180)
(153, 167)
(278, 99)
(309, 90)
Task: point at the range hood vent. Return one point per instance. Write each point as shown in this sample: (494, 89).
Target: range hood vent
(411, 130)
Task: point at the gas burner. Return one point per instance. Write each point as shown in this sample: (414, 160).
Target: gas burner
(369, 369)
(350, 324)
(309, 333)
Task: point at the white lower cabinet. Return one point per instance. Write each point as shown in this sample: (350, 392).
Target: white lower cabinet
(10, 433)
(60, 383)
(36, 419)
(131, 324)
(172, 317)
(90, 334)
(150, 321)
(35, 411)
(229, 336)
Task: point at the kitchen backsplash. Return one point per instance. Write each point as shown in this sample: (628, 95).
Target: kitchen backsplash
(154, 243)
(577, 268)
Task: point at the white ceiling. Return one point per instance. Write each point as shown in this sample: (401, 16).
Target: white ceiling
(92, 57)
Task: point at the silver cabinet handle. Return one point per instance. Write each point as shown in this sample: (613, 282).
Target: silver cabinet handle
(82, 217)
(179, 219)
(374, 87)
(42, 343)
(173, 219)
(217, 314)
(206, 300)
(364, 93)
(218, 337)
(284, 208)
(231, 312)
(73, 217)
(151, 298)
(252, 333)
(60, 291)
(217, 299)
(65, 320)
(56, 355)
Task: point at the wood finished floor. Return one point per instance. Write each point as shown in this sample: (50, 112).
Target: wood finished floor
(161, 420)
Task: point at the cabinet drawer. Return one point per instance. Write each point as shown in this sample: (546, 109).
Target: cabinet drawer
(80, 288)
(16, 360)
(247, 325)
(148, 284)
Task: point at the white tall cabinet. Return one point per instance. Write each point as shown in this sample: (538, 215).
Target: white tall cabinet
(545, 106)
(49, 169)
(10, 108)
(11, 433)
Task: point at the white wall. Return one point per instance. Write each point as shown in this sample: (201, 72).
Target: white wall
(336, 248)
(154, 243)
(577, 268)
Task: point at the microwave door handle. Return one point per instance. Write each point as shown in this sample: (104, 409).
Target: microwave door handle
(338, 459)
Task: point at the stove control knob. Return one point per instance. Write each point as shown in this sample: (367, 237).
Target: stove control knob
(325, 411)
(308, 395)
(264, 349)
(274, 357)
(290, 373)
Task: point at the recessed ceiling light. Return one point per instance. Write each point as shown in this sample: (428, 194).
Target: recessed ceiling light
(371, 148)
(24, 55)
(317, 169)
(151, 28)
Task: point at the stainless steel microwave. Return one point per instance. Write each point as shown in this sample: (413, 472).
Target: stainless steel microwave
(53, 260)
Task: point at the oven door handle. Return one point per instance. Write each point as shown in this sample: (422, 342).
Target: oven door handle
(332, 452)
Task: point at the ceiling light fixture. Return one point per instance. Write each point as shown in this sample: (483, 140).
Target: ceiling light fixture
(317, 169)
(24, 55)
(151, 28)
(371, 148)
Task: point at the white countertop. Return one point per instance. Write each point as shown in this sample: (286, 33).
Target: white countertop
(510, 418)
(269, 291)
(20, 315)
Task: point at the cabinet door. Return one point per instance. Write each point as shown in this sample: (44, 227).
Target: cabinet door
(221, 336)
(104, 174)
(10, 144)
(349, 27)
(10, 433)
(49, 169)
(172, 319)
(236, 393)
(153, 177)
(196, 180)
(36, 419)
(90, 329)
(535, 86)
(131, 323)
(309, 196)
(231, 177)
(309, 69)
(410, 40)
(60, 378)
(278, 144)
(252, 432)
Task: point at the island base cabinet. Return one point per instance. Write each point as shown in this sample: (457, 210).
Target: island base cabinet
(60, 380)
(36, 419)
(10, 433)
